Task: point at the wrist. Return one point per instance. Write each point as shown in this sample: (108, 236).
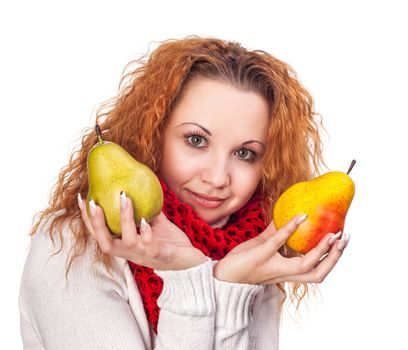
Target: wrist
(190, 259)
(216, 271)
(194, 258)
(200, 259)
(220, 273)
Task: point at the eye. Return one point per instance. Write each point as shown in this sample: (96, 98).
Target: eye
(246, 154)
(195, 139)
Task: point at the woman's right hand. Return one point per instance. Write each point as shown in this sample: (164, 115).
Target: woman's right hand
(258, 261)
(161, 245)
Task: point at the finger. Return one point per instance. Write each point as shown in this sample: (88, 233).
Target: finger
(269, 231)
(322, 268)
(311, 258)
(276, 240)
(145, 231)
(103, 236)
(298, 265)
(151, 249)
(85, 217)
(127, 222)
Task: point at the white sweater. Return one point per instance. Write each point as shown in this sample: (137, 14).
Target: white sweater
(94, 310)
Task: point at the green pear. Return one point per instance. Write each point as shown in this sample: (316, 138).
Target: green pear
(326, 199)
(111, 170)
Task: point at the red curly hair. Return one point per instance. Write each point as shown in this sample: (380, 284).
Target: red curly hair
(149, 89)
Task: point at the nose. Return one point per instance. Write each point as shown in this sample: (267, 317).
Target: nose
(216, 173)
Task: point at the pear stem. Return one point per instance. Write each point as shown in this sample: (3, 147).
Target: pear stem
(351, 166)
(98, 132)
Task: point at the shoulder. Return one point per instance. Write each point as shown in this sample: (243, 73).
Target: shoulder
(50, 251)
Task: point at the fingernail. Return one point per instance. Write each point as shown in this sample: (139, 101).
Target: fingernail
(143, 225)
(343, 242)
(122, 200)
(92, 207)
(301, 219)
(322, 258)
(80, 203)
(334, 238)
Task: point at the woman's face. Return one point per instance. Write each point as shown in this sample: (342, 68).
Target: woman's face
(213, 147)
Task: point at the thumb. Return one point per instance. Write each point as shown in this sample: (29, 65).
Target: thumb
(276, 240)
(269, 230)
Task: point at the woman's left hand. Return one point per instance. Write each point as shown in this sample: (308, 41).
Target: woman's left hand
(161, 245)
(258, 261)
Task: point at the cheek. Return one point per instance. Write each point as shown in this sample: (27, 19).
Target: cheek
(247, 181)
(178, 164)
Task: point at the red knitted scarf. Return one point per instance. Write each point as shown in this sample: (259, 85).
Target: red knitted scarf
(246, 223)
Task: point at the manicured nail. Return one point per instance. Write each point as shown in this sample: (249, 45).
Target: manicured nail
(92, 207)
(301, 219)
(143, 225)
(80, 203)
(343, 242)
(334, 238)
(122, 200)
(322, 258)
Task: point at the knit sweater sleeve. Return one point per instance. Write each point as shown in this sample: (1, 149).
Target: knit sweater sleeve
(95, 309)
(247, 316)
(187, 309)
(88, 309)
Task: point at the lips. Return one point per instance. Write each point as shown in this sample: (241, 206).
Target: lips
(204, 200)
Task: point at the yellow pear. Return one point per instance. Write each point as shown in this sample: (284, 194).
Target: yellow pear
(326, 199)
(111, 169)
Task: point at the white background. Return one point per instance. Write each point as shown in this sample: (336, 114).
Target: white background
(59, 60)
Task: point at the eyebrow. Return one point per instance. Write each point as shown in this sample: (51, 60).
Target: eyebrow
(209, 133)
(202, 127)
(252, 141)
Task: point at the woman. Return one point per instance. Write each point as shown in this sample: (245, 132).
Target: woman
(226, 130)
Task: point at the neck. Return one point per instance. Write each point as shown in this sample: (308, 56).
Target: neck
(220, 223)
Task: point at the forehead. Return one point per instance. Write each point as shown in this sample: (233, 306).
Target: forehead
(215, 104)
